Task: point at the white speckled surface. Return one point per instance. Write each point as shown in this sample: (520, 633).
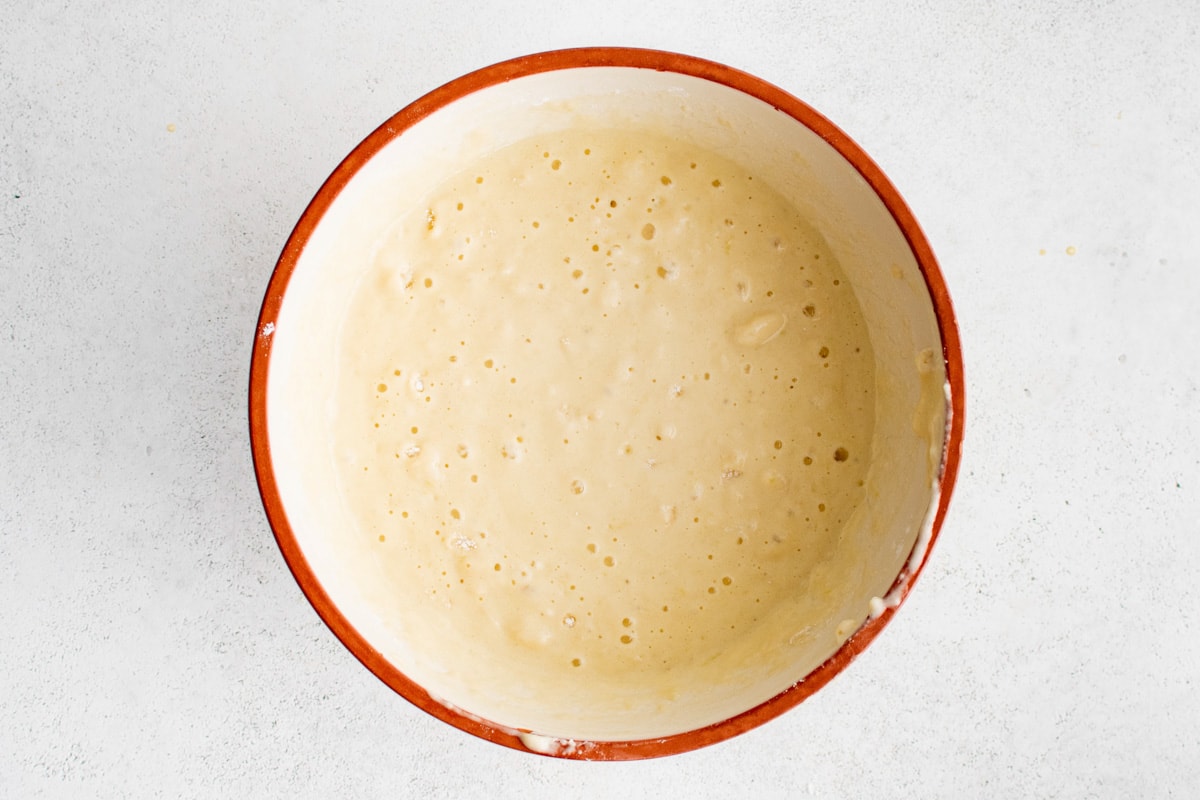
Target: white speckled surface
(154, 643)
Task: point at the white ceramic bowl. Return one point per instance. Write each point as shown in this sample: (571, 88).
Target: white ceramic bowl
(919, 384)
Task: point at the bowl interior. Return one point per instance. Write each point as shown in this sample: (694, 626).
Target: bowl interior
(883, 539)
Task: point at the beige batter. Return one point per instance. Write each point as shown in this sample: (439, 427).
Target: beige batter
(603, 406)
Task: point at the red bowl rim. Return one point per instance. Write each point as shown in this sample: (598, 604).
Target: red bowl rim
(502, 72)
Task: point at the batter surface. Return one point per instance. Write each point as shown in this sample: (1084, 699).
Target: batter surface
(604, 403)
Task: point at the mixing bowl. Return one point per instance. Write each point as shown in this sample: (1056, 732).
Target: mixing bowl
(721, 307)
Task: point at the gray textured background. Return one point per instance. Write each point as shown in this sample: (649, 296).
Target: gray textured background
(154, 157)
